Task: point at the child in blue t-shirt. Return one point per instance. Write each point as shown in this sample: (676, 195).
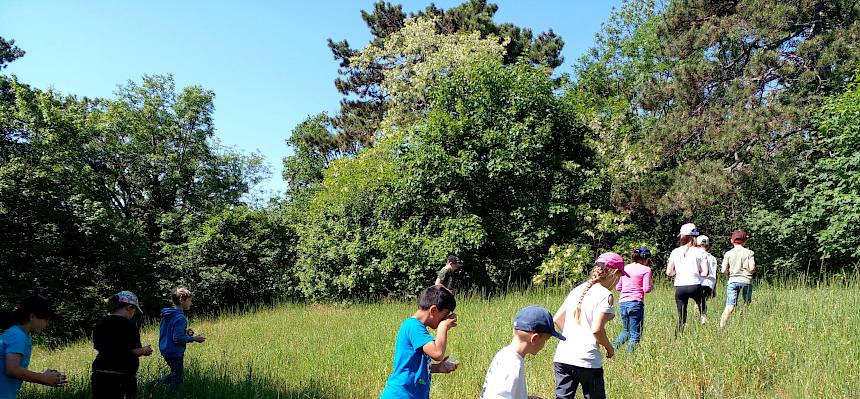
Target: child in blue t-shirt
(31, 316)
(415, 347)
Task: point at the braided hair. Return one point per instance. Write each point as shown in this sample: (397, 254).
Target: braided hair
(598, 272)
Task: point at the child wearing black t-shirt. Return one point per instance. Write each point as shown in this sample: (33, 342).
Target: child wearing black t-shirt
(117, 339)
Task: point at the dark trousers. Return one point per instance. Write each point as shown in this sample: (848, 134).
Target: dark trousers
(568, 378)
(683, 294)
(177, 371)
(707, 292)
(113, 385)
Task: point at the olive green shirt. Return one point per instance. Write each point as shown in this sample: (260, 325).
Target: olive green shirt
(739, 260)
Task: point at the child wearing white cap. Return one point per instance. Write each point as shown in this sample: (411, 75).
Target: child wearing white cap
(709, 281)
(506, 376)
(686, 264)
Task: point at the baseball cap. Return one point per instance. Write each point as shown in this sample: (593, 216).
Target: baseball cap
(689, 229)
(129, 298)
(613, 261)
(644, 252)
(703, 240)
(739, 235)
(535, 318)
(454, 259)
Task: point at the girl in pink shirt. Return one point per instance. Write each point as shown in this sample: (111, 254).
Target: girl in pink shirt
(631, 306)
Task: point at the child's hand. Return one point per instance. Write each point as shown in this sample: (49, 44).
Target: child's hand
(445, 366)
(199, 338)
(449, 322)
(146, 350)
(54, 378)
(610, 351)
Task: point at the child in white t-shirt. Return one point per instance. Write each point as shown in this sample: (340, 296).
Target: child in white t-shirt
(506, 376)
(583, 317)
(709, 281)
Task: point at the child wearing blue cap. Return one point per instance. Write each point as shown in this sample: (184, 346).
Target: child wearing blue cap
(506, 376)
(415, 347)
(117, 340)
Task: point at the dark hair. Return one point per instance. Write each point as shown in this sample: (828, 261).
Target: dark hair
(640, 254)
(684, 240)
(114, 304)
(437, 295)
(179, 294)
(40, 306)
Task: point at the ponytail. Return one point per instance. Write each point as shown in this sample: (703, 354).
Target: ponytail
(598, 272)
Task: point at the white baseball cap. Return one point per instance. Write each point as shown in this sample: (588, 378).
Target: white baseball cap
(703, 240)
(689, 229)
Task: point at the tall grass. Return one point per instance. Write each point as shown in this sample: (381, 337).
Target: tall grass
(792, 342)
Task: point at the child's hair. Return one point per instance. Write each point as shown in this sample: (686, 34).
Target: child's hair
(114, 304)
(640, 254)
(684, 240)
(40, 306)
(179, 294)
(598, 272)
(436, 295)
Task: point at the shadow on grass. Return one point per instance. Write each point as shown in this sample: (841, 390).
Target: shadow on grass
(211, 384)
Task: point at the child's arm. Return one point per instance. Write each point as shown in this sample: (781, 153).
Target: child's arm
(436, 348)
(752, 264)
(646, 282)
(143, 351)
(14, 370)
(618, 286)
(179, 333)
(599, 331)
(670, 268)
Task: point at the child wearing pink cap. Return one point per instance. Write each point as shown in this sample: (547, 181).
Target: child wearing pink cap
(583, 317)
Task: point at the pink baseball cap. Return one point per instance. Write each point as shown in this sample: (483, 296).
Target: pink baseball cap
(613, 261)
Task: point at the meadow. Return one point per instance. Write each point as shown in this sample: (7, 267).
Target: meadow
(791, 342)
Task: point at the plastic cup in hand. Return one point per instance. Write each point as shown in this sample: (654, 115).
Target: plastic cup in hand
(453, 360)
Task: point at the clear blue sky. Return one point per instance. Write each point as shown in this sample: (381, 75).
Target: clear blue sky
(267, 61)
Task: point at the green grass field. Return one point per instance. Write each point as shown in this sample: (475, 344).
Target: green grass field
(790, 343)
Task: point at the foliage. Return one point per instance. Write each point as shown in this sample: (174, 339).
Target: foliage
(413, 57)
(567, 264)
(365, 101)
(817, 224)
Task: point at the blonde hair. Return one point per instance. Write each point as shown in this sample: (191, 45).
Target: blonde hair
(598, 272)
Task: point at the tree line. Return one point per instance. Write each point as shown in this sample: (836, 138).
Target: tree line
(456, 134)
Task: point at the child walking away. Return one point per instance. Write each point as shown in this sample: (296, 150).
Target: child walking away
(30, 316)
(174, 335)
(506, 377)
(415, 347)
(117, 339)
(739, 264)
(709, 280)
(687, 266)
(444, 276)
(583, 317)
(631, 304)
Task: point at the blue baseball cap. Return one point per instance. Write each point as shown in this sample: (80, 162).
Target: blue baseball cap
(644, 252)
(536, 319)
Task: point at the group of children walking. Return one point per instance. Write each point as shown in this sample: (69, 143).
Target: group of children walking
(116, 338)
(582, 318)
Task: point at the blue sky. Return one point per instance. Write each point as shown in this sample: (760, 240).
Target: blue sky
(266, 61)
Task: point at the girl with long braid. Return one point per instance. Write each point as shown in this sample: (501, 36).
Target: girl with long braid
(582, 318)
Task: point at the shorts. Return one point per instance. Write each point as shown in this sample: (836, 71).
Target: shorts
(733, 289)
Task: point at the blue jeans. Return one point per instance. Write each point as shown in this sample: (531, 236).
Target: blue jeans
(732, 290)
(632, 318)
(177, 370)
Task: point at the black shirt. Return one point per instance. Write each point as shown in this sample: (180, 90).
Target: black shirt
(114, 338)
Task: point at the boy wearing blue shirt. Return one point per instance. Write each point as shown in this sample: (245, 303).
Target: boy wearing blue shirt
(415, 347)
